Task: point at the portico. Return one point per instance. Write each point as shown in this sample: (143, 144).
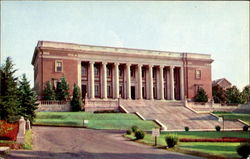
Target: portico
(112, 79)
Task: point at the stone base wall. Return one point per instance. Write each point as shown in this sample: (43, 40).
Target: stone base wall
(210, 107)
(53, 106)
(101, 105)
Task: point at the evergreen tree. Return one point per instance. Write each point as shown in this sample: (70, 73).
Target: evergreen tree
(27, 98)
(76, 100)
(246, 94)
(62, 90)
(233, 95)
(9, 105)
(219, 94)
(48, 91)
(201, 96)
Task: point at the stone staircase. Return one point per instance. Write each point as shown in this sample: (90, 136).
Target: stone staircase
(175, 116)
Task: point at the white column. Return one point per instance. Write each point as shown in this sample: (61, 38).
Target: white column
(182, 83)
(92, 80)
(168, 84)
(79, 75)
(116, 80)
(161, 83)
(172, 82)
(151, 94)
(139, 81)
(128, 81)
(104, 79)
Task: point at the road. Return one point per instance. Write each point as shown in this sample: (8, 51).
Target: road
(69, 143)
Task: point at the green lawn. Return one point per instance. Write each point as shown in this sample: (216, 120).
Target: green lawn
(234, 116)
(120, 121)
(28, 140)
(224, 149)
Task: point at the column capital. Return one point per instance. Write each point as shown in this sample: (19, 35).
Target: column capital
(139, 65)
(150, 66)
(172, 66)
(116, 63)
(92, 62)
(161, 66)
(104, 63)
(128, 64)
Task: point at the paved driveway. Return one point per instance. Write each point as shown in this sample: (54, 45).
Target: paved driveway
(57, 142)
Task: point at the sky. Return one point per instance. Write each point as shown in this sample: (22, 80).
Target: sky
(217, 28)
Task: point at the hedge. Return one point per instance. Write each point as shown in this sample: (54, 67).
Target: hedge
(224, 139)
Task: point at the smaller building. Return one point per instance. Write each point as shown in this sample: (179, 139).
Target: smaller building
(223, 83)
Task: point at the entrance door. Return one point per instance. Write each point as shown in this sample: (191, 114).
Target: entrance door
(84, 91)
(133, 92)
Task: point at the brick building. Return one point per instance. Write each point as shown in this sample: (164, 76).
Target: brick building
(109, 72)
(222, 82)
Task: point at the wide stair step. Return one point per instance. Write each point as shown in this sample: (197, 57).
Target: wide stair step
(175, 116)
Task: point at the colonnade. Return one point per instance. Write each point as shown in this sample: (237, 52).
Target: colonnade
(138, 81)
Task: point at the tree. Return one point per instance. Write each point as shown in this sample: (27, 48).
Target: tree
(9, 105)
(246, 94)
(27, 98)
(201, 96)
(48, 91)
(76, 100)
(62, 90)
(233, 95)
(219, 94)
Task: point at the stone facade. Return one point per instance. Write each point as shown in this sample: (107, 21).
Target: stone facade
(110, 72)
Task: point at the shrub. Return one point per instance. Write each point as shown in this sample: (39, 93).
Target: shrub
(134, 128)
(244, 150)
(186, 128)
(139, 134)
(128, 132)
(76, 103)
(171, 140)
(201, 96)
(245, 128)
(217, 128)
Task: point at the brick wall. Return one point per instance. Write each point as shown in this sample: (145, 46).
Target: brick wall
(204, 81)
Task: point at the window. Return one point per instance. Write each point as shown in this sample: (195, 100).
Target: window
(109, 71)
(143, 73)
(55, 82)
(197, 74)
(58, 66)
(97, 71)
(132, 73)
(154, 92)
(154, 73)
(96, 90)
(120, 91)
(197, 87)
(84, 70)
(143, 93)
(109, 91)
(120, 72)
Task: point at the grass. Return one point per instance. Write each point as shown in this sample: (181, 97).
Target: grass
(234, 116)
(224, 149)
(28, 140)
(119, 121)
(213, 148)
